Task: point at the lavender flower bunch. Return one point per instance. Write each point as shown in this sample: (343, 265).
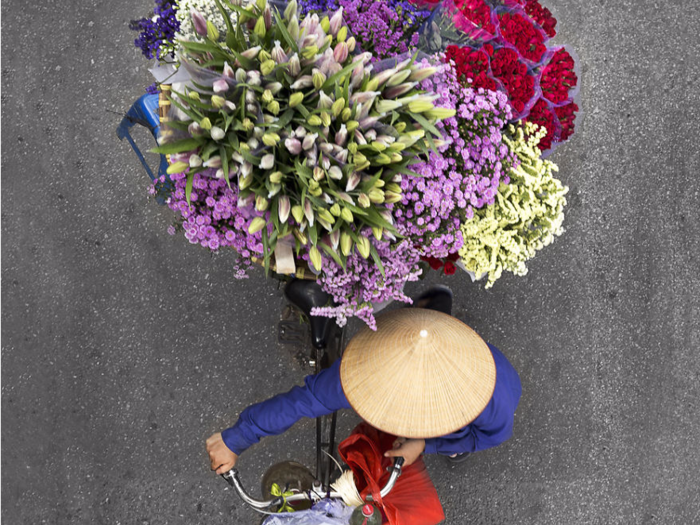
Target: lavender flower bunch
(386, 28)
(463, 174)
(355, 288)
(313, 141)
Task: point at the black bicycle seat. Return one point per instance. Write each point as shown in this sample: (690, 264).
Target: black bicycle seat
(306, 295)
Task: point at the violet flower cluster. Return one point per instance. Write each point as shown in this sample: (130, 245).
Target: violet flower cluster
(386, 28)
(213, 218)
(158, 33)
(355, 289)
(465, 172)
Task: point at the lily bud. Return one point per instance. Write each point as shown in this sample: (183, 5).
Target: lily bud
(318, 174)
(342, 34)
(398, 78)
(300, 236)
(334, 237)
(390, 197)
(298, 213)
(338, 106)
(195, 129)
(290, 10)
(220, 86)
(309, 52)
(325, 163)
(199, 23)
(314, 120)
(195, 161)
(340, 53)
(373, 84)
(420, 106)
(177, 167)
(283, 208)
(217, 102)
(335, 173)
(295, 99)
(293, 27)
(250, 53)
(253, 78)
(420, 74)
(335, 210)
(261, 203)
(315, 258)
(303, 82)
(256, 225)
(294, 66)
(376, 195)
(212, 32)
(382, 159)
(217, 133)
(326, 121)
(267, 67)
(308, 211)
(309, 141)
(267, 162)
(325, 24)
(318, 79)
(353, 180)
(193, 95)
(347, 215)
(336, 22)
(363, 246)
(440, 113)
(267, 16)
(273, 87)
(326, 148)
(213, 162)
(345, 243)
(378, 232)
(360, 138)
(400, 127)
(368, 122)
(260, 28)
(270, 139)
(363, 200)
(241, 75)
(341, 135)
(357, 76)
(385, 75)
(293, 146)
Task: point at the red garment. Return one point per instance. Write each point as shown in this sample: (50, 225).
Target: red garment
(412, 501)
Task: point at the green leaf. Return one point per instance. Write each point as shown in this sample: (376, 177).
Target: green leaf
(285, 119)
(224, 163)
(283, 29)
(188, 188)
(377, 260)
(333, 79)
(333, 254)
(426, 125)
(194, 115)
(266, 251)
(313, 234)
(178, 146)
(227, 19)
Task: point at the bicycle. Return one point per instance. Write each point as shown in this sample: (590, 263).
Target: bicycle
(326, 347)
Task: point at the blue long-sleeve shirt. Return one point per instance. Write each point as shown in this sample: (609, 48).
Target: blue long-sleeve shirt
(323, 394)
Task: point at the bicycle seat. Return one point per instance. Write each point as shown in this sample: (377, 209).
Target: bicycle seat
(306, 295)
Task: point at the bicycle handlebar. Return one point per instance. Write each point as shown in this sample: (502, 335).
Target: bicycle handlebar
(234, 480)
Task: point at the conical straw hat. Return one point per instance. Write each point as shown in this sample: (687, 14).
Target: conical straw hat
(422, 374)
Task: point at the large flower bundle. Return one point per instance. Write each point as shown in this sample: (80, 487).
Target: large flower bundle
(316, 137)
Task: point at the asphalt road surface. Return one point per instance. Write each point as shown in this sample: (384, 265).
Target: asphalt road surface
(124, 348)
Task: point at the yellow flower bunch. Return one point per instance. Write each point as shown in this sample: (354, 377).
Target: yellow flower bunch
(525, 217)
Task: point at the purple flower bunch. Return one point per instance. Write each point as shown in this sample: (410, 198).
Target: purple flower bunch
(361, 284)
(213, 218)
(157, 34)
(463, 174)
(386, 28)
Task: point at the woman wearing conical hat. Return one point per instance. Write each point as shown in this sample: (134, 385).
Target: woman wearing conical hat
(423, 375)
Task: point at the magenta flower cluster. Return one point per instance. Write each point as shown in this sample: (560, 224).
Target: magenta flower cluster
(355, 289)
(463, 174)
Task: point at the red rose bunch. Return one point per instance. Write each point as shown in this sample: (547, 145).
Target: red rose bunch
(558, 77)
(448, 263)
(478, 13)
(542, 16)
(471, 67)
(542, 115)
(566, 115)
(521, 33)
(506, 67)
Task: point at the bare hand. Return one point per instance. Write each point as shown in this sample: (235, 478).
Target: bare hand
(221, 457)
(409, 449)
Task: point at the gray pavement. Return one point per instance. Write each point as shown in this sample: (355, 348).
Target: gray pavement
(123, 348)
